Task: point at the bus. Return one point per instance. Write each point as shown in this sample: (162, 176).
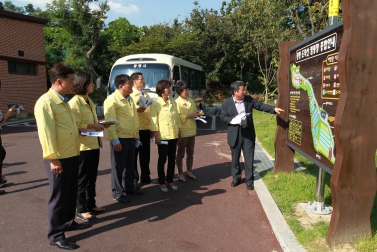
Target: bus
(156, 67)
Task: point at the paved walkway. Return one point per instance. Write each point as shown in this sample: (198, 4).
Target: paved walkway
(202, 215)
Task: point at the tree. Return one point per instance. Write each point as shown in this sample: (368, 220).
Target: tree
(307, 16)
(84, 25)
(9, 6)
(213, 39)
(121, 33)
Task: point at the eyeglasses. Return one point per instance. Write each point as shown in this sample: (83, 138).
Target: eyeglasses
(141, 79)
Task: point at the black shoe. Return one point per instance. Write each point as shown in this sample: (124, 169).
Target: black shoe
(91, 218)
(103, 210)
(137, 191)
(76, 226)
(146, 181)
(65, 245)
(122, 199)
(250, 186)
(234, 183)
(2, 192)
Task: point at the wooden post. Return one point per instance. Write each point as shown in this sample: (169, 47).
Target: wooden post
(283, 154)
(353, 181)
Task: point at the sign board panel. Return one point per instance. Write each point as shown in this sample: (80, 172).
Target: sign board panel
(314, 91)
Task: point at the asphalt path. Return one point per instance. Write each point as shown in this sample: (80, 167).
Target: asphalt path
(203, 215)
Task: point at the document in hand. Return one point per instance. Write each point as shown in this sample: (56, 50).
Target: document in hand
(145, 102)
(200, 118)
(93, 133)
(237, 120)
(108, 122)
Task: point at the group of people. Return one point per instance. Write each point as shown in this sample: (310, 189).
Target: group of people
(71, 159)
(170, 123)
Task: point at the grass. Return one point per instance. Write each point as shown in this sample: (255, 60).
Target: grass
(288, 190)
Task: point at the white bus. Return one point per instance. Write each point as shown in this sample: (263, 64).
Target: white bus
(156, 67)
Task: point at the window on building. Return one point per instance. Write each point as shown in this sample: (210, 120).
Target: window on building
(22, 68)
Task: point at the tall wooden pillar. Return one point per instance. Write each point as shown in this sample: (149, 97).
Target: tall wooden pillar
(353, 181)
(284, 161)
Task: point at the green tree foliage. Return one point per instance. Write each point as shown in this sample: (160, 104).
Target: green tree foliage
(307, 16)
(120, 33)
(84, 25)
(9, 6)
(214, 42)
(258, 29)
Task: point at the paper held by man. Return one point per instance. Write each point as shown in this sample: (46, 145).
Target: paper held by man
(237, 120)
(145, 102)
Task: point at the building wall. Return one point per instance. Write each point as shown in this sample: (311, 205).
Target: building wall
(18, 88)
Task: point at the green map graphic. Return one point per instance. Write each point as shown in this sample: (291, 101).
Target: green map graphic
(323, 140)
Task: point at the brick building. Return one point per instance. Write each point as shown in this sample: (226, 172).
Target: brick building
(22, 60)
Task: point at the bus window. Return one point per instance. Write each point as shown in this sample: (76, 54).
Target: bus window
(194, 84)
(185, 74)
(176, 74)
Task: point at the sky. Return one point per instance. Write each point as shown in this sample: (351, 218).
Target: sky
(143, 12)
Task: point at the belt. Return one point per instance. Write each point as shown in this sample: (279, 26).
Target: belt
(244, 126)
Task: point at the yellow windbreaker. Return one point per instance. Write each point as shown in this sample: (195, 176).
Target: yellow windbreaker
(143, 117)
(165, 118)
(85, 115)
(188, 125)
(116, 107)
(57, 129)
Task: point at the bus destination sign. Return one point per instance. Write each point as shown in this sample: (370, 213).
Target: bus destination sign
(314, 91)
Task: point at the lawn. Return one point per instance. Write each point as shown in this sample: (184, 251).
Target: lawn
(288, 190)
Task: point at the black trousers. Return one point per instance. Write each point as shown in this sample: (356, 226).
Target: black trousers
(86, 190)
(62, 202)
(144, 153)
(248, 147)
(123, 167)
(166, 151)
(3, 153)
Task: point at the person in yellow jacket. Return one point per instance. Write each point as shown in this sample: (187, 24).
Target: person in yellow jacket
(123, 135)
(165, 126)
(187, 112)
(144, 151)
(85, 114)
(59, 137)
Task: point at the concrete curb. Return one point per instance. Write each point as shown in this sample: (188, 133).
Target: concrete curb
(283, 233)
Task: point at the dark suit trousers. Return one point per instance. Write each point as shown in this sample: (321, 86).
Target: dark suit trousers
(62, 202)
(166, 151)
(248, 148)
(122, 167)
(86, 191)
(2, 155)
(144, 153)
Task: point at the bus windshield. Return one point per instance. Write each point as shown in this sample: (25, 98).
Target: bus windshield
(152, 73)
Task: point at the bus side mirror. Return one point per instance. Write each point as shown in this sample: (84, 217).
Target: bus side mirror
(99, 83)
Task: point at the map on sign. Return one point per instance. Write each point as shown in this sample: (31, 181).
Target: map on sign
(314, 91)
(321, 130)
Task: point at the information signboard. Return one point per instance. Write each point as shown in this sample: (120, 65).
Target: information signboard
(314, 91)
